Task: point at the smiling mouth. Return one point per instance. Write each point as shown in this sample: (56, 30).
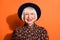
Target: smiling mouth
(29, 20)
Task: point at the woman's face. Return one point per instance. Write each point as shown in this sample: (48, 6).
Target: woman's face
(29, 17)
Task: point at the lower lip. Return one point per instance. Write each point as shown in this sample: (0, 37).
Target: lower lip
(29, 20)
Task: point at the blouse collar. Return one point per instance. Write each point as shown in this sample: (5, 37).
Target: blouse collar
(26, 25)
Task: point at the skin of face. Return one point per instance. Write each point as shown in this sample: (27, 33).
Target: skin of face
(29, 15)
(29, 18)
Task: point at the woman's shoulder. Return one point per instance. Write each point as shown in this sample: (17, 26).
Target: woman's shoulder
(40, 28)
(18, 29)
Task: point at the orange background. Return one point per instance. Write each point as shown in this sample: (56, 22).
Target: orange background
(50, 17)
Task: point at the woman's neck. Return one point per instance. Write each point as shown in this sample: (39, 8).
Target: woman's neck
(29, 24)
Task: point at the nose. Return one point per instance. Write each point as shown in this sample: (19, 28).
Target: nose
(29, 16)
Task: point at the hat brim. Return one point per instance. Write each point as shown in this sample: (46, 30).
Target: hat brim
(21, 8)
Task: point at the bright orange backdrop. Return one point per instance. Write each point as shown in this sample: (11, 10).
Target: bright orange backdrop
(50, 17)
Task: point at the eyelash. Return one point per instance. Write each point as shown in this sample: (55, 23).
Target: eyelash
(26, 14)
(32, 14)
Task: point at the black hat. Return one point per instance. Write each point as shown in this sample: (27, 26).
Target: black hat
(21, 8)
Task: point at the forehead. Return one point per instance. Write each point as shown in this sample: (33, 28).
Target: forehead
(29, 10)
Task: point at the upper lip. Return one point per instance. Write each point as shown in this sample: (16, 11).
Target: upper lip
(29, 19)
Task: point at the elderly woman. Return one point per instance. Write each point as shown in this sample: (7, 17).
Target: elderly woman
(29, 13)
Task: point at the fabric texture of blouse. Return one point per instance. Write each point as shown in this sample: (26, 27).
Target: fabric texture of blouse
(33, 32)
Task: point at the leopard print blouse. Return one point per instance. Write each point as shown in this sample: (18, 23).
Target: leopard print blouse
(33, 32)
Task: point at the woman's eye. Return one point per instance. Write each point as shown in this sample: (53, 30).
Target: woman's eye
(26, 14)
(32, 13)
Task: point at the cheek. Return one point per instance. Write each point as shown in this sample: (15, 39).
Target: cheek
(33, 16)
(26, 16)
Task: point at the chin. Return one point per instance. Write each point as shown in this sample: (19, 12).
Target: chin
(30, 22)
